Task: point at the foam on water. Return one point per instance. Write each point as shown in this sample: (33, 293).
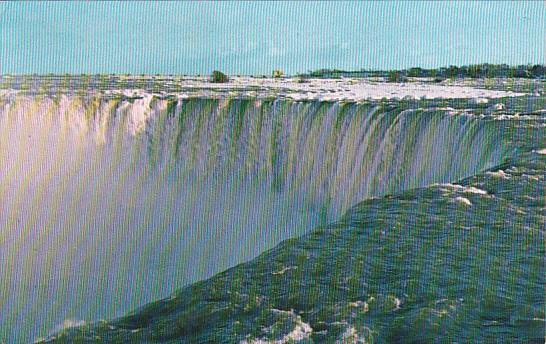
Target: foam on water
(499, 174)
(464, 189)
(345, 89)
(463, 200)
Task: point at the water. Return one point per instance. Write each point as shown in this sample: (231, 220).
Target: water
(455, 262)
(109, 203)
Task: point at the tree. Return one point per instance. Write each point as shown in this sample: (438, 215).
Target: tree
(277, 73)
(415, 72)
(452, 72)
(218, 77)
(395, 76)
(538, 71)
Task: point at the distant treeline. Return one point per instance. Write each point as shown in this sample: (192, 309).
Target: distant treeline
(471, 71)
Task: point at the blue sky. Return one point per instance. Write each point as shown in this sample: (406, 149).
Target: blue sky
(257, 37)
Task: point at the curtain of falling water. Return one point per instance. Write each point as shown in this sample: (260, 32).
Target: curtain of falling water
(107, 204)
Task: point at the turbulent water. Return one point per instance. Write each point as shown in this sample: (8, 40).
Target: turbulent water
(112, 202)
(447, 263)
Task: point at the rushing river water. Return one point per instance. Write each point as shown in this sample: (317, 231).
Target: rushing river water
(109, 203)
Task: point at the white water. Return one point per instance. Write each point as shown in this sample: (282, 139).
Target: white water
(108, 204)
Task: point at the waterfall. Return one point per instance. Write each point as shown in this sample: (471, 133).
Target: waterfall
(108, 203)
